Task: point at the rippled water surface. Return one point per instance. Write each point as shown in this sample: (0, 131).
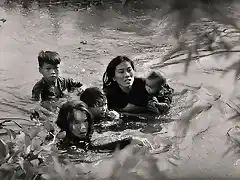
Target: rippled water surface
(109, 32)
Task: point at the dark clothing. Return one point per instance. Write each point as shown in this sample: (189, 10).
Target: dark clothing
(138, 96)
(43, 91)
(117, 99)
(107, 147)
(164, 95)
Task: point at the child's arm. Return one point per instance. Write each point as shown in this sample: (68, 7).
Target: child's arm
(152, 106)
(72, 84)
(133, 108)
(165, 95)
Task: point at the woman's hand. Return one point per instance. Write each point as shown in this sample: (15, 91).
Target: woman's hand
(113, 114)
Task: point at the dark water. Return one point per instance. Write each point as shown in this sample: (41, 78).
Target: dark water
(141, 35)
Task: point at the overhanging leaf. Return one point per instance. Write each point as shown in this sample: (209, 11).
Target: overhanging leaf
(3, 150)
(187, 62)
(49, 127)
(33, 132)
(27, 140)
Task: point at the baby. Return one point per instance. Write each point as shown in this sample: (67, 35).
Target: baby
(160, 94)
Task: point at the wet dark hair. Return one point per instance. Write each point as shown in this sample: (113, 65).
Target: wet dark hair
(48, 57)
(110, 71)
(93, 97)
(65, 117)
(158, 77)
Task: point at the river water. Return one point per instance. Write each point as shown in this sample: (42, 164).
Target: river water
(142, 36)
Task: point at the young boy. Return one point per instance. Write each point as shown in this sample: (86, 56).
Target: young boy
(51, 86)
(96, 100)
(160, 94)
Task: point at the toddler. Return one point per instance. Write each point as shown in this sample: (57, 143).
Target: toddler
(159, 92)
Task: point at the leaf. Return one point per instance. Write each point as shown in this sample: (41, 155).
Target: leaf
(33, 132)
(11, 133)
(45, 176)
(236, 67)
(187, 62)
(46, 147)
(27, 140)
(10, 145)
(7, 167)
(3, 150)
(48, 126)
(27, 167)
(61, 135)
(13, 176)
(27, 149)
(186, 118)
(234, 134)
(36, 144)
(178, 48)
(58, 167)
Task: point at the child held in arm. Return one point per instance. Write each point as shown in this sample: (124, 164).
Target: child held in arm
(96, 101)
(160, 93)
(51, 87)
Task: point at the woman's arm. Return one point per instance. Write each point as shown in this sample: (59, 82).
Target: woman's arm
(112, 146)
(133, 108)
(120, 144)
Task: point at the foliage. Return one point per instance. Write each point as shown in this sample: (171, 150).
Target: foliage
(31, 153)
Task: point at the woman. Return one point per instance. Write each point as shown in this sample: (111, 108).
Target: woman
(124, 91)
(75, 119)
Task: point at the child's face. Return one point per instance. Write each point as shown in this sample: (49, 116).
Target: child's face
(152, 87)
(79, 126)
(99, 111)
(50, 72)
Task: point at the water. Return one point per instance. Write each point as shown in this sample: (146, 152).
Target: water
(142, 36)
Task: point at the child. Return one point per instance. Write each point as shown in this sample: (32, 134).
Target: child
(160, 94)
(76, 121)
(96, 100)
(51, 86)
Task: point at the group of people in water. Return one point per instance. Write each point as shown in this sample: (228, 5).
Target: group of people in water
(122, 91)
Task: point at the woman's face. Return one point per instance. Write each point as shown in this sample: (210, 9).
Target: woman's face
(79, 126)
(124, 74)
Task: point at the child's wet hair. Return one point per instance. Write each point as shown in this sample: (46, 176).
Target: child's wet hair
(48, 57)
(158, 77)
(65, 117)
(93, 97)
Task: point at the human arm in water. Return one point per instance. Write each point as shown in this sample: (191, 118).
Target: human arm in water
(133, 108)
(120, 144)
